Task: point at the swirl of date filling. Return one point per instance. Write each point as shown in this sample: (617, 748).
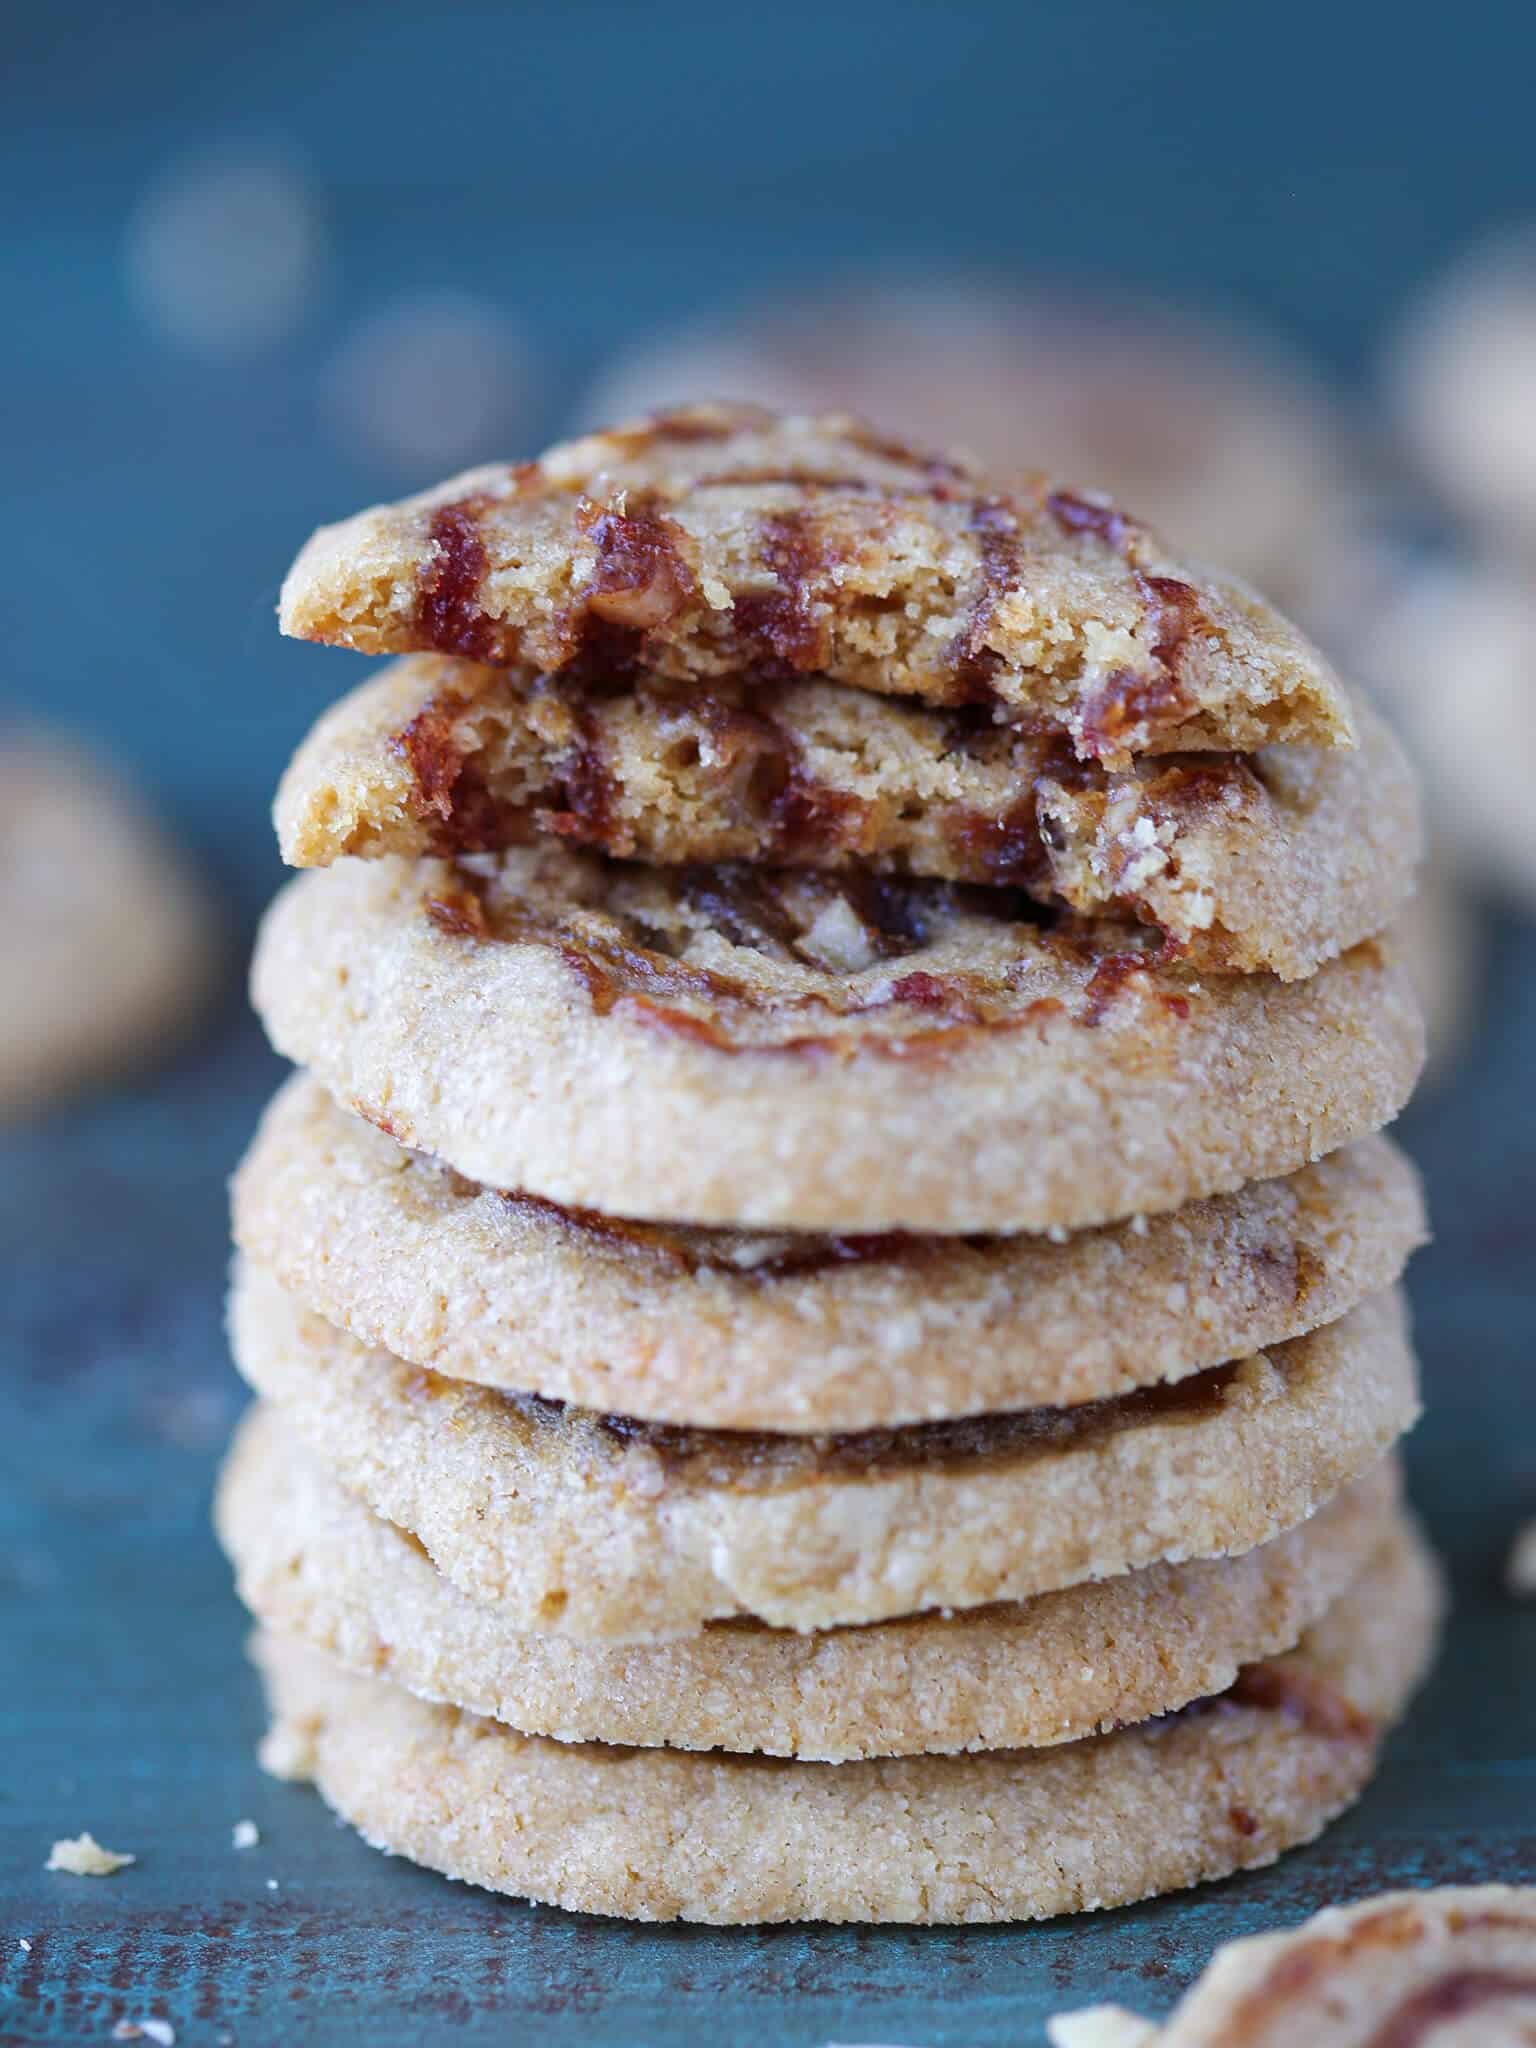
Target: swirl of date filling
(1271, 862)
(1405, 1970)
(787, 1049)
(729, 541)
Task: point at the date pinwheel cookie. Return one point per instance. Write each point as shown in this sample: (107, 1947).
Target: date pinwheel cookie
(738, 1329)
(606, 1527)
(1456, 1964)
(825, 1310)
(111, 942)
(729, 541)
(312, 1562)
(777, 1048)
(1272, 862)
(658, 1834)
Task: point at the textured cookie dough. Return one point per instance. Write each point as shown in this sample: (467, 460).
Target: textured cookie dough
(1405, 1970)
(661, 1834)
(598, 1526)
(778, 1331)
(1274, 862)
(727, 540)
(770, 1049)
(109, 940)
(314, 1564)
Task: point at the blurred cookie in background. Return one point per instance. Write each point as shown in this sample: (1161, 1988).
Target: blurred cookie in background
(429, 379)
(1227, 442)
(1454, 657)
(1462, 383)
(110, 944)
(226, 249)
(1442, 938)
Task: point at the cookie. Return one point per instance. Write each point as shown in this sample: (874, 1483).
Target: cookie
(109, 939)
(313, 1563)
(1456, 655)
(1443, 941)
(1462, 375)
(775, 1331)
(662, 1834)
(602, 1526)
(771, 1048)
(1453, 1964)
(730, 541)
(1273, 862)
(1225, 440)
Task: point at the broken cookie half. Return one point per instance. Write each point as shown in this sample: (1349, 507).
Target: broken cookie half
(727, 541)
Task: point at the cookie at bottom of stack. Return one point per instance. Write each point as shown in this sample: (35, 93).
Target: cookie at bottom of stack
(655, 1834)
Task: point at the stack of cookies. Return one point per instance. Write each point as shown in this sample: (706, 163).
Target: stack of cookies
(825, 1308)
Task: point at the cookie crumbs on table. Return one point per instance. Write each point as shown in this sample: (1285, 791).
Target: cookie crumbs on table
(83, 1856)
(1099, 2026)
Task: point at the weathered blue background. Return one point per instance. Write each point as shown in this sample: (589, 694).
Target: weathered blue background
(595, 168)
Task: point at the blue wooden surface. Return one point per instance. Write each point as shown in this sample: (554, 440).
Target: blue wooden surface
(590, 168)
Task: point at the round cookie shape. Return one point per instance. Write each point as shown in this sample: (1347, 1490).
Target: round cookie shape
(660, 1834)
(1455, 655)
(783, 1049)
(603, 1527)
(109, 940)
(730, 541)
(1395, 1969)
(1271, 863)
(314, 1564)
(1464, 386)
(788, 1331)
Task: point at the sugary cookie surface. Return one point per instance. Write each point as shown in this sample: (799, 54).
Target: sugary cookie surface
(729, 541)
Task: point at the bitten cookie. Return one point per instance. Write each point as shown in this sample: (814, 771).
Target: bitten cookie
(726, 540)
(772, 1048)
(313, 1563)
(658, 1834)
(733, 1329)
(600, 1526)
(1276, 861)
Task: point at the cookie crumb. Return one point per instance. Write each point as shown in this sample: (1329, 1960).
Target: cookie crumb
(1099, 2026)
(286, 1752)
(1520, 1573)
(85, 1857)
(245, 1834)
(23, 1944)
